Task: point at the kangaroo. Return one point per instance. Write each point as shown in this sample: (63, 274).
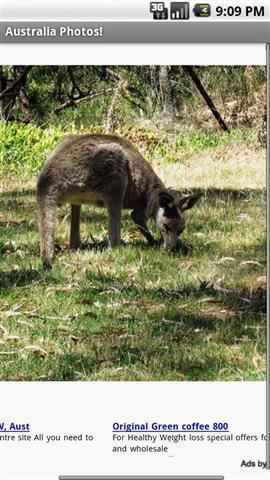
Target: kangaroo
(105, 171)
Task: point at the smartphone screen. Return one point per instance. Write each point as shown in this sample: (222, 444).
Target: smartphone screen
(134, 160)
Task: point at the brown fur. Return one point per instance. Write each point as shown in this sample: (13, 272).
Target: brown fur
(101, 170)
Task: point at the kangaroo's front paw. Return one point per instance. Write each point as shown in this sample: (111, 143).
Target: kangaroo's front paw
(154, 243)
(75, 246)
(47, 264)
(183, 248)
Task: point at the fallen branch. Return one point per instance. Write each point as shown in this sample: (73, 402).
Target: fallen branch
(191, 72)
(73, 102)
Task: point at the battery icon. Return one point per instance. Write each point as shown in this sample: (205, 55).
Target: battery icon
(202, 10)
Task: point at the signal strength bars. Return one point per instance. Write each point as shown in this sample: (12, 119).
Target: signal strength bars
(179, 10)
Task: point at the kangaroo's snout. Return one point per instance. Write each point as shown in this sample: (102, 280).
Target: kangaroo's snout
(170, 219)
(170, 243)
(170, 239)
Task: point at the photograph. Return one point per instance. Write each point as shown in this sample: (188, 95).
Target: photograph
(132, 223)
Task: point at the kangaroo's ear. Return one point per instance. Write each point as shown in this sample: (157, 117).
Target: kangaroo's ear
(165, 200)
(188, 202)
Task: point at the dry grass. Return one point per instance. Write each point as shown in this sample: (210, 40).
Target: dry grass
(233, 169)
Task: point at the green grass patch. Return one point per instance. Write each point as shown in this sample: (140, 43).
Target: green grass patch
(135, 313)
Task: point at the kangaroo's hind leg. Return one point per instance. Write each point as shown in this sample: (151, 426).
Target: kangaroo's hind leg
(111, 168)
(75, 241)
(114, 211)
(114, 206)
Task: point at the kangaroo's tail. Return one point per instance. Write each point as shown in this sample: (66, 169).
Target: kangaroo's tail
(46, 205)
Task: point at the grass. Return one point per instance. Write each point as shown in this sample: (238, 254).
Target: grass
(140, 313)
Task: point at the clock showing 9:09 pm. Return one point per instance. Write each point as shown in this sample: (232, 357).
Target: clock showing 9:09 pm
(237, 11)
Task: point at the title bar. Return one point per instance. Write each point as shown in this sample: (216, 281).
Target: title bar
(133, 32)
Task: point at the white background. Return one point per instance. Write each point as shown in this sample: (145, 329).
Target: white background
(73, 408)
(145, 54)
(93, 407)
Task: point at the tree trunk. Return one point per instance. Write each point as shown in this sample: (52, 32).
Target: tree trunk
(166, 93)
(10, 90)
(3, 102)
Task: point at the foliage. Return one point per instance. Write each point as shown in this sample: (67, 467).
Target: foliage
(24, 148)
(49, 88)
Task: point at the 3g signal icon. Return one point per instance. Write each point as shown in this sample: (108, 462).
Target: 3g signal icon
(157, 7)
(160, 12)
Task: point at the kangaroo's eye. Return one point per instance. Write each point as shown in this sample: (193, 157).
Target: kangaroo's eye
(167, 229)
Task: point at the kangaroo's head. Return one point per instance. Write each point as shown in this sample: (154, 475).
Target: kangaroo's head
(170, 218)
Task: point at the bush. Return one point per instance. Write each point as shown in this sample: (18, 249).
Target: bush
(24, 148)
